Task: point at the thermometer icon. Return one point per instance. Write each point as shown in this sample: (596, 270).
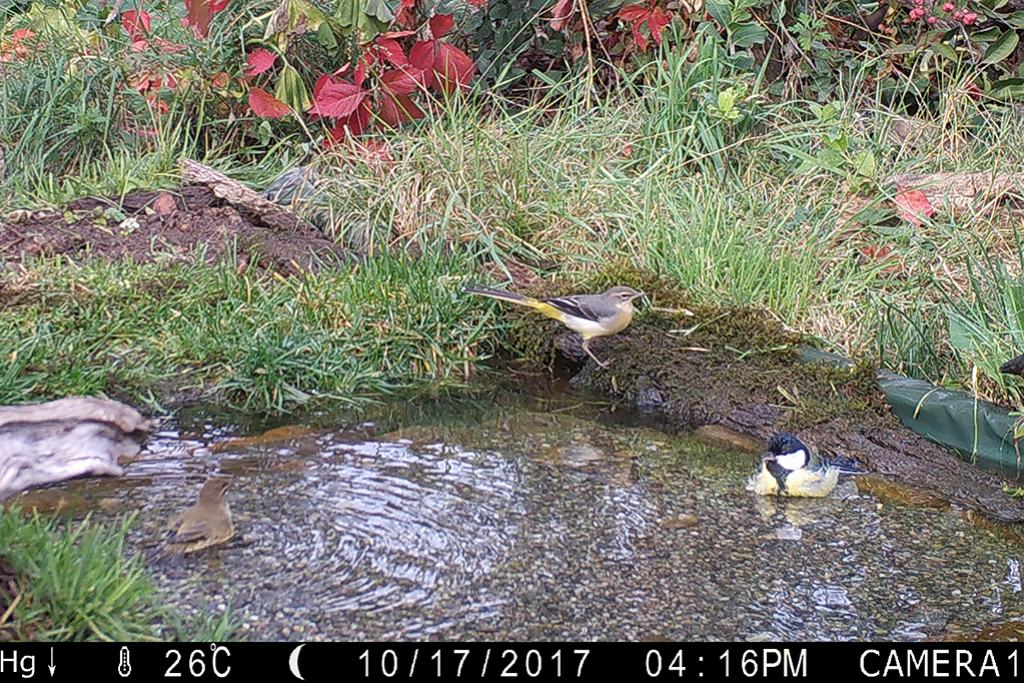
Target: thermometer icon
(124, 667)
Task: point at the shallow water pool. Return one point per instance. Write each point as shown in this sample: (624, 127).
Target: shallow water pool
(541, 519)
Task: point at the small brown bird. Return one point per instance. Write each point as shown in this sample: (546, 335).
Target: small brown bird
(206, 523)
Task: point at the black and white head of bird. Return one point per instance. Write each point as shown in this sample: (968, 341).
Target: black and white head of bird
(621, 295)
(786, 453)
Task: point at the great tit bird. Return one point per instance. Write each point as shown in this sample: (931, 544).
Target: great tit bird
(792, 468)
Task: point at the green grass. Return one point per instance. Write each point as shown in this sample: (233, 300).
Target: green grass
(249, 339)
(76, 583)
(689, 170)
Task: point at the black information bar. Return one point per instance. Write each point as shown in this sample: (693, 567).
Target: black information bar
(500, 661)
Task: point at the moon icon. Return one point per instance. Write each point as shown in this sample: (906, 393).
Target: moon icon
(293, 662)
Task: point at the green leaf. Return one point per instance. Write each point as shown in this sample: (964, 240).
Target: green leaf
(864, 164)
(1008, 88)
(961, 336)
(379, 10)
(945, 51)
(264, 133)
(720, 10)
(986, 36)
(749, 34)
(348, 13)
(325, 36)
(291, 90)
(1002, 48)
(831, 160)
(1016, 19)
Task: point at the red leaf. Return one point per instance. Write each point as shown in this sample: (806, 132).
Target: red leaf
(373, 151)
(658, 20)
(453, 68)
(876, 251)
(421, 56)
(634, 14)
(401, 81)
(353, 124)
(397, 109)
(320, 83)
(560, 14)
(264, 104)
(479, 4)
(16, 48)
(135, 22)
(200, 12)
(913, 206)
(392, 51)
(258, 61)
(199, 16)
(441, 24)
(337, 100)
(406, 13)
(639, 39)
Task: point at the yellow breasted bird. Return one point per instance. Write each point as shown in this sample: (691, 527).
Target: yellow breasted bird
(792, 468)
(589, 315)
(206, 523)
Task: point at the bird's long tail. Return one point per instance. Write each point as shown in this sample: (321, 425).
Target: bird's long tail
(511, 297)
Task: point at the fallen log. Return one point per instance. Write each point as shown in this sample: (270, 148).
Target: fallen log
(959, 193)
(71, 437)
(249, 203)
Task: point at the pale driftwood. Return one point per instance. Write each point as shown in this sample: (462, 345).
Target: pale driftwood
(49, 442)
(959, 192)
(248, 202)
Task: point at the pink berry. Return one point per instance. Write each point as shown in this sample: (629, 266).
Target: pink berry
(932, 20)
(948, 7)
(970, 17)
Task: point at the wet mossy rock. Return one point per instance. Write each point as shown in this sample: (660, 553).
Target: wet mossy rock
(698, 365)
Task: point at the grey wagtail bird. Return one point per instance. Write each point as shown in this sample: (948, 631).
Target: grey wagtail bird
(588, 315)
(206, 523)
(792, 468)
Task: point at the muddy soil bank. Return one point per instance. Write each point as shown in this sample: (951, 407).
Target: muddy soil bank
(149, 225)
(739, 370)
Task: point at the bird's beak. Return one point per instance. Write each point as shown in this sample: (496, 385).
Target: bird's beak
(769, 456)
(640, 295)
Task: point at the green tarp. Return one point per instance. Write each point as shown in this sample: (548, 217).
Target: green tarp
(981, 431)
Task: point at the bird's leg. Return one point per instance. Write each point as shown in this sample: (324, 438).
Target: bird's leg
(586, 348)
